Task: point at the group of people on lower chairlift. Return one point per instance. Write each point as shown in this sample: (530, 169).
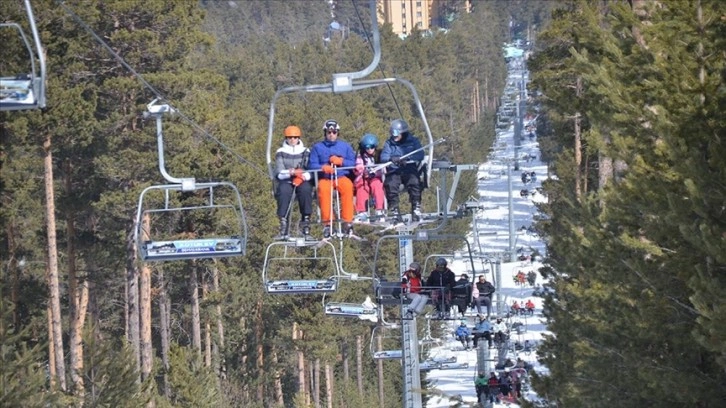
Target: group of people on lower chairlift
(363, 178)
(444, 291)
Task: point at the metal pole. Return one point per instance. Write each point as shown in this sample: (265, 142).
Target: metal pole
(512, 252)
(409, 336)
(498, 286)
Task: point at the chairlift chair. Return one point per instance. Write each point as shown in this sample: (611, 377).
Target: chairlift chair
(366, 310)
(25, 90)
(219, 199)
(284, 260)
(386, 353)
(159, 237)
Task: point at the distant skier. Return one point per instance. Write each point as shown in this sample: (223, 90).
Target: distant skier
(483, 330)
(461, 294)
(413, 281)
(463, 335)
(441, 280)
(482, 387)
(485, 290)
(500, 331)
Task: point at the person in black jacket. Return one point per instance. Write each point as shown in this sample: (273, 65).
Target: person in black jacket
(402, 171)
(441, 280)
(485, 289)
(461, 294)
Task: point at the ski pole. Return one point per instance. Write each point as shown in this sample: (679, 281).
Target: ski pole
(289, 206)
(388, 163)
(333, 182)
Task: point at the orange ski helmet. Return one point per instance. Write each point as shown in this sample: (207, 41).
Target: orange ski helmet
(292, 131)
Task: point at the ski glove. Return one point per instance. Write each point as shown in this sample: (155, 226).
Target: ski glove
(359, 168)
(328, 169)
(297, 173)
(296, 181)
(396, 159)
(336, 160)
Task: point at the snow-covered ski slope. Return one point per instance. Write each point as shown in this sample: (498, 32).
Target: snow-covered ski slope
(449, 385)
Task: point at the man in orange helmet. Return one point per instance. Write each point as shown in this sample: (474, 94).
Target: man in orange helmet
(290, 161)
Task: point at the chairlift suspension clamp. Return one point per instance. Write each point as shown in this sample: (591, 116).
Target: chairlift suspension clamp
(342, 83)
(158, 109)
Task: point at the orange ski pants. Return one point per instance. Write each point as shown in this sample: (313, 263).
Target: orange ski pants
(345, 189)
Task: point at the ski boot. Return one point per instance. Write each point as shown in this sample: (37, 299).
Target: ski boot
(397, 219)
(305, 228)
(283, 235)
(347, 229)
(380, 216)
(416, 212)
(361, 217)
(326, 231)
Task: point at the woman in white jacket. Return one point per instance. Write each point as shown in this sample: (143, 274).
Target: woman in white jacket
(290, 163)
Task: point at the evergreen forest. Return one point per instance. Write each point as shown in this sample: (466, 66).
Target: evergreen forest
(627, 96)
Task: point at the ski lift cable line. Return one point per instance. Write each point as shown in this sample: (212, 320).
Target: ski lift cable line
(383, 72)
(153, 90)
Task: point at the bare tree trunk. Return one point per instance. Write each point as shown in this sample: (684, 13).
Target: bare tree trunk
(311, 383)
(486, 92)
(244, 354)
(346, 369)
(221, 365)
(75, 345)
(297, 335)
(605, 167)
(585, 176)
(578, 147)
(15, 277)
(279, 400)
(329, 384)
(51, 349)
(638, 7)
(196, 324)
(316, 378)
(164, 329)
(359, 362)
(53, 281)
(93, 314)
(147, 356)
(132, 300)
(207, 328)
(260, 362)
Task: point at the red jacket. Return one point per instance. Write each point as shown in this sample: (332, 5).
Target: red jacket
(413, 284)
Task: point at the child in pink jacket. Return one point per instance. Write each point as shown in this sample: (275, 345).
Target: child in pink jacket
(368, 184)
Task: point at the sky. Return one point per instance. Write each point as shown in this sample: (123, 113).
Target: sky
(494, 218)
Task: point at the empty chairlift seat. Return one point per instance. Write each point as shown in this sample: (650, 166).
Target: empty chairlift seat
(300, 267)
(22, 79)
(202, 220)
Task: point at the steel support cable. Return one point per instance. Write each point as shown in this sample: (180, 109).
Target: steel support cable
(368, 39)
(153, 90)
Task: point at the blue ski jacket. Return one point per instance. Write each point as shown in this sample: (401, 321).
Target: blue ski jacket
(321, 152)
(462, 331)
